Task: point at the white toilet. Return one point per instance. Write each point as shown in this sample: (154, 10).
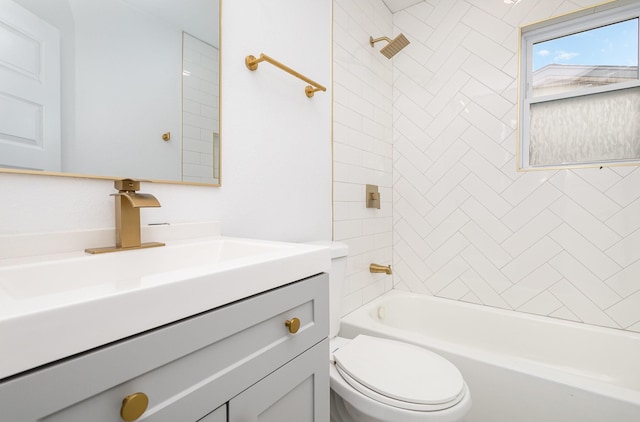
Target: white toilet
(380, 380)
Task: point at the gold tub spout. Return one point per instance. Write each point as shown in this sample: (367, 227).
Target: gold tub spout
(377, 268)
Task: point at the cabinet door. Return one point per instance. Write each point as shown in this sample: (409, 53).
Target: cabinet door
(298, 391)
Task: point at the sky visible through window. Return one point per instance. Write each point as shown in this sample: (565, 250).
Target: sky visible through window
(612, 45)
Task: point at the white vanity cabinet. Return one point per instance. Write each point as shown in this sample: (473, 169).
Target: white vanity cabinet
(235, 363)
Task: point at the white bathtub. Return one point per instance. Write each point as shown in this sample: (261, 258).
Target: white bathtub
(519, 367)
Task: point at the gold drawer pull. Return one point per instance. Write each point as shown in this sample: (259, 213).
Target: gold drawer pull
(133, 406)
(293, 324)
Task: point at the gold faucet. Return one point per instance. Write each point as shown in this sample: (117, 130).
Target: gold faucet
(377, 268)
(128, 203)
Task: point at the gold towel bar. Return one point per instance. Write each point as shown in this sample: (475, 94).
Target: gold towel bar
(252, 64)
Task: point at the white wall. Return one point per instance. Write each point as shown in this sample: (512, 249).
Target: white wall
(276, 143)
(467, 226)
(363, 107)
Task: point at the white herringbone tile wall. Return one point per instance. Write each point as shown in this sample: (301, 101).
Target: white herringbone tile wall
(362, 143)
(466, 225)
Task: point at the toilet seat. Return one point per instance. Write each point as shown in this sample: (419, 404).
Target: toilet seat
(399, 374)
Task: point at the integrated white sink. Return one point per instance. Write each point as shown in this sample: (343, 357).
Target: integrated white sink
(53, 306)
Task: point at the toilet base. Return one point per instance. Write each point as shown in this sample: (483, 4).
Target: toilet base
(342, 411)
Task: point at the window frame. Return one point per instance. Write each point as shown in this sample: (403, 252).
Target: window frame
(587, 19)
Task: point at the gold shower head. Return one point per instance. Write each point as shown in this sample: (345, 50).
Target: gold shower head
(394, 46)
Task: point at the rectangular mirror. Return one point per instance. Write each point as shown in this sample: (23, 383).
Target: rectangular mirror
(111, 88)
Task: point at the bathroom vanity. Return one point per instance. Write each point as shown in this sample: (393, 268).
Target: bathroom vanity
(239, 361)
(258, 353)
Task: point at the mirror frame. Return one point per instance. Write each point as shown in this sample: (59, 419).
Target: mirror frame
(170, 182)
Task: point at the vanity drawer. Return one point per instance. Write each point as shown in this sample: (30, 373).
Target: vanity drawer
(187, 369)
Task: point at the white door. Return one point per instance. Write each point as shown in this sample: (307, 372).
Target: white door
(29, 90)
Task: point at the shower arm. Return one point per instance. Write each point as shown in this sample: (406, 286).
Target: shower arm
(372, 40)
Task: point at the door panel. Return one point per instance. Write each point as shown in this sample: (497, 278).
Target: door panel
(29, 90)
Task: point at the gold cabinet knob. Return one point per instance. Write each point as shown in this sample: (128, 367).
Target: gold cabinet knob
(293, 324)
(133, 406)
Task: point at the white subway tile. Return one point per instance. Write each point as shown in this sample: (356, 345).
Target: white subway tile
(531, 206)
(404, 189)
(482, 46)
(408, 108)
(415, 175)
(538, 254)
(446, 229)
(446, 161)
(486, 171)
(482, 290)
(412, 260)
(445, 275)
(413, 28)
(627, 220)
(585, 194)
(483, 144)
(445, 61)
(539, 227)
(471, 298)
(627, 250)
(448, 27)
(456, 290)
(584, 223)
(403, 274)
(480, 68)
(417, 93)
(626, 282)
(580, 305)
(447, 117)
(531, 286)
(525, 185)
(455, 82)
(590, 256)
(487, 24)
(493, 128)
(408, 150)
(543, 304)
(411, 132)
(450, 135)
(445, 253)
(584, 280)
(485, 244)
(601, 178)
(487, 98)
(485, 195)
(403, 209)
(626, 190)
(566, 314)
(486, 269)
(448, 182)
(485, 220)
(449, 204)
(347, 229)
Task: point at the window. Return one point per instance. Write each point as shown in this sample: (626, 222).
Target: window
(580, 89)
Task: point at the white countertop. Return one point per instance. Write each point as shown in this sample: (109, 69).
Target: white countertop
(56, 305)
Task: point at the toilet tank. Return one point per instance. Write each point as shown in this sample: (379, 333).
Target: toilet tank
(337, 277)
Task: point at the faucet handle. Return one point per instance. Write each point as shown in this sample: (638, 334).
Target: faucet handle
(128, 185)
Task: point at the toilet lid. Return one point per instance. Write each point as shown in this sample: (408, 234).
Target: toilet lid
(406, 374)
